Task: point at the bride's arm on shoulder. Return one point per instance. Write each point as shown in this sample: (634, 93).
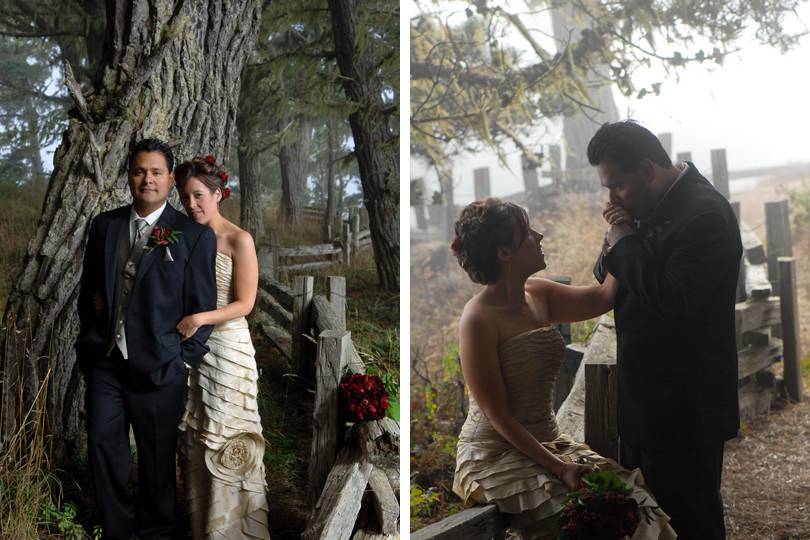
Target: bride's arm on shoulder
(572, 303)
(478, 348)
(245, 284)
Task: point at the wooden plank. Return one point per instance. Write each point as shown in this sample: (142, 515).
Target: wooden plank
(720, 171)
(337, 297)
(601, 393)
(281, 338)
(272, 307)
(309, 265)
(265, 258)
(777, 237)
(327, 429)
(754, 358)
(752, 245)
(568, 371)
(283, 294)
(365, 234)
(790, 328)
(482, 186)
(478, 523)
(385, 501)
(755, 314)
(317, 250)
(337, 507)
(302, 302)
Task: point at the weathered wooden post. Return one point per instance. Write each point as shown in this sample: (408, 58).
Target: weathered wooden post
(791, 352)
(601, 392)
(337, 297)
(482, 186)
(666, 142)
(720, 171)
(555, 160)
(418, 196)
(741, 294)
(364, 218)
(302, 302)
(267, 253)
(356, 230)
(326, 426)
(530, 181)
(347, 244)
(777, 237)
(683, 156)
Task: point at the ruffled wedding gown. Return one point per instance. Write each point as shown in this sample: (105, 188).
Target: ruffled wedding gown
(222, 433)
(490, 470)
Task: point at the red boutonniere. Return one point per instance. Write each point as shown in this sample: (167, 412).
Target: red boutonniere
(163, 236)
(455, 244)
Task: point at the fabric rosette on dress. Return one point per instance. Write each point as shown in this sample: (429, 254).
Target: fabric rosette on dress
(223, 444)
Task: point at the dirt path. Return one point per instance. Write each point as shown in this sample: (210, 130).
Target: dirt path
(766, 475)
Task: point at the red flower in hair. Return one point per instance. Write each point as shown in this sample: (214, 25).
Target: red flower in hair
(456, 243)
(223, 176)
(210, 159)
(226, 193)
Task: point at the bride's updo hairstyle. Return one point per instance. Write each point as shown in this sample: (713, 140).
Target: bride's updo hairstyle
(482, 228)
(206, 170)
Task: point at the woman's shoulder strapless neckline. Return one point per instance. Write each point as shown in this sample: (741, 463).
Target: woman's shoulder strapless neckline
(527, 333)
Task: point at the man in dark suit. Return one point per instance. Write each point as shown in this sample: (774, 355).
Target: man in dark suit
(677, 357)
(145, 267)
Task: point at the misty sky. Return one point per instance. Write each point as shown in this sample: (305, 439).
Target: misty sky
(757, 106)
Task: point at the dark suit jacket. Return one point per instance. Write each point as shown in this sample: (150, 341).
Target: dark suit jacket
(677, 353)
(163, 293)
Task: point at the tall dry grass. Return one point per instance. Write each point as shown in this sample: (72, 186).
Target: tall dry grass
(20, 208)
(25, 478)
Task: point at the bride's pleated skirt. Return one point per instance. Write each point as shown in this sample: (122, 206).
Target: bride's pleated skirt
(223, 447)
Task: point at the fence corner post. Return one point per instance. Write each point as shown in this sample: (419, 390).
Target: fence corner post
(337, 297)
(791, 353)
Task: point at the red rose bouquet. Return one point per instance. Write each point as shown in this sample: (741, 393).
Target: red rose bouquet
(602, 510)
(362, 397)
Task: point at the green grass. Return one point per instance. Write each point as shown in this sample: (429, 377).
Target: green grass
(20, 208)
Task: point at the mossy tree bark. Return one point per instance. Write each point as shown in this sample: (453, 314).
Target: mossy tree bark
(376, 144)
(293, 156)
(171, 70)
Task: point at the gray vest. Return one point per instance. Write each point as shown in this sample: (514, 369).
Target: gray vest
(128, 260)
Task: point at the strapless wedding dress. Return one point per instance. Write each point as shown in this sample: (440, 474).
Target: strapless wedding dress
(490, 470)
(223, 446)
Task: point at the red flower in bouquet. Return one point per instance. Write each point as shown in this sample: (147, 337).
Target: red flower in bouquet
(362, 397)
(603, 510)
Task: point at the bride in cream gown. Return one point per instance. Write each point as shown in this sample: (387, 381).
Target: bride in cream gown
(510, 450)
(223, 446)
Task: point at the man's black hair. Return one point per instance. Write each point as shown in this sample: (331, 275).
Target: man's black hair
(153, 145)
(625, 144)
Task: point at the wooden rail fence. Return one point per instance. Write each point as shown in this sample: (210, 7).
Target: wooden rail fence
(353, 470)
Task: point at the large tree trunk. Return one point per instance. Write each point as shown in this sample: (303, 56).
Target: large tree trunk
(172, 72)
(250, 186)
(376, 147)
(292, 158)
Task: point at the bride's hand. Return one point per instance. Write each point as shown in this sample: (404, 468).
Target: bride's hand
(571, 474)
(188, 326)
(616, 215)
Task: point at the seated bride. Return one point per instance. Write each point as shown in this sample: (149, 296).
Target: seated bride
(510, 450)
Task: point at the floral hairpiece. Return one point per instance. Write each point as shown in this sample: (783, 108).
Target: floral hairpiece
(222, 175)
(455, 244)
